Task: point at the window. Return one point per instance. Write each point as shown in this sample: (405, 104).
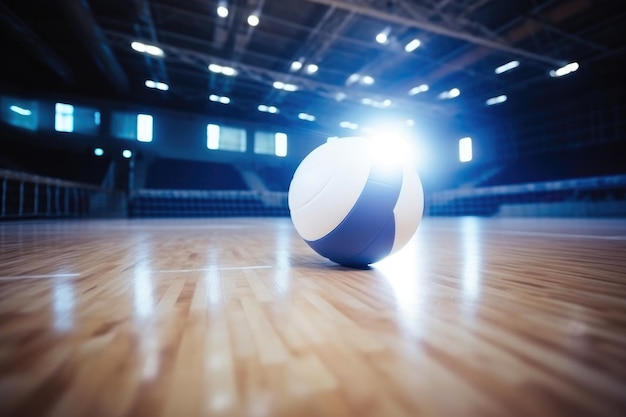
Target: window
(281, 144)
(70, 118)
(20, 113)
(225, 138)
(64, 117)
(267, 143)
(132, 126)
(144, 128)
(465, 149)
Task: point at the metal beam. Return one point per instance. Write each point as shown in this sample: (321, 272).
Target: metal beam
(24, 34)
(266, 76)
(90, 33)
(146, 29)
(438, 29)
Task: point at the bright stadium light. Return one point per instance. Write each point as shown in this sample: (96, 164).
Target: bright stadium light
(367, 80)
(311, 68)
(147, 49)
(306, 116)
(452, 93)
(253, 20)
(224, 70)
(507, 67)
(296, 66)
(390, 144)
(222, 9)
(219, 99)
(565, 69)
(419, 89)
(412, 45)
(349, 125)
(496, 100)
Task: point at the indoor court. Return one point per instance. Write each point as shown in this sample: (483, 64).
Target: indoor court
(325, 208)
(236, 317)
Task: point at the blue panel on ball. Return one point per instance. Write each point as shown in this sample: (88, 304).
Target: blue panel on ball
(367, 232)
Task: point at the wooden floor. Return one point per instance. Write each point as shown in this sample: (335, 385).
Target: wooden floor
(238, 317)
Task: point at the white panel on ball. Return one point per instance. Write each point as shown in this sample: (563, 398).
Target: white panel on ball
(325, 187)
(409, 209)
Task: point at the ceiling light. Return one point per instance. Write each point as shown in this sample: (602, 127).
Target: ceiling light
(219, 99)
(253, 20)
(147, 49)
(20, 110)
(564, 70)
(127, 153)
(311, 68)
(367, 101)
(267, 109)
(231, 72)
(496, 100)
(386, 103)
(453, 93)
(222, 11)
(367, 80)
(157, 85)
(349, 125)
(279, 85)
(296, 65)
(383, 37)
(306, 116)
(353, 78)
(219, 69)
(507, 67)
(410, 122)
(98, 151)
(412, 45)
(419, 89)
(340, 96)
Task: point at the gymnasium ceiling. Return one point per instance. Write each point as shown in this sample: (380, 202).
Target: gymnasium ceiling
(84, 47)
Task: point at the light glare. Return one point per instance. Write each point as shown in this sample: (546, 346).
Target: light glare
(564, 70)
(507, 67)
(296, 66)
(412, 45)
(419, 89)
(222, 11)
(311, 68)
(253, 20)
(147, 49)
(496, 100)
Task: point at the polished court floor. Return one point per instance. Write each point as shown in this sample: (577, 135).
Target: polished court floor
(238, 317)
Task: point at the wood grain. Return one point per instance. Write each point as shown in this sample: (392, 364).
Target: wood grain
(238, 317)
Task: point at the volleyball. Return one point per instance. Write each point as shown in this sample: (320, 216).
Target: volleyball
(352, 205)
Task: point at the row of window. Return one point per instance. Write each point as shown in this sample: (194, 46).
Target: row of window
(84, 120)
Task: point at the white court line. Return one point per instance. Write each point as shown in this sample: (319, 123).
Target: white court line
(225, 268)
(7, 278)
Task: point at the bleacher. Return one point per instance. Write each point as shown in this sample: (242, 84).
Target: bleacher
(176, 188)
